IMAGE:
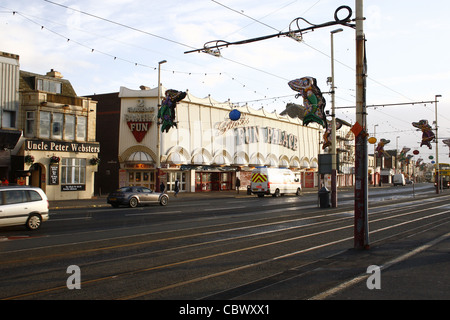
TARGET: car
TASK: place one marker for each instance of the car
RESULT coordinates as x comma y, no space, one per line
134,196
23,205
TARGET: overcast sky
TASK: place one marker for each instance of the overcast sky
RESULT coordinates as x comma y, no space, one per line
118,43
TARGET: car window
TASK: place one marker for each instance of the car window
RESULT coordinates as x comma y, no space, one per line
14,196
146,190
34,196
139,190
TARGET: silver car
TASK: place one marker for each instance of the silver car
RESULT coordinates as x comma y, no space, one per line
23,206
133,196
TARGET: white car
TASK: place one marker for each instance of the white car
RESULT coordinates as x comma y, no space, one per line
23,206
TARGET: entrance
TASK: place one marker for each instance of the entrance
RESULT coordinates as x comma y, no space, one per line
212,181
142,178
37,177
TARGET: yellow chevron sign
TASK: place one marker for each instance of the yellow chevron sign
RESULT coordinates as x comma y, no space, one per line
258,177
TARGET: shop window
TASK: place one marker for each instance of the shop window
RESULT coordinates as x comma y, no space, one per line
69,129
44,124
73,171
30,124
81,128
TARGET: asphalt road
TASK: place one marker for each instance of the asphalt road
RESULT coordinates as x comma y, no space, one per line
237,248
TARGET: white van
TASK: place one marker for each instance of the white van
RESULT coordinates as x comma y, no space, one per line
399,179
23,206
274,181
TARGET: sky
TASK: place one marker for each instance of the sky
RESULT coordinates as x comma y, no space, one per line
100,46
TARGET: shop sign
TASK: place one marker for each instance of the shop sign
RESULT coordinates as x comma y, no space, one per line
53,174
62,146
139,119
73,187
269,135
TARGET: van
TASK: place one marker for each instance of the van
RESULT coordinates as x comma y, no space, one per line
23,206
399,179
274,181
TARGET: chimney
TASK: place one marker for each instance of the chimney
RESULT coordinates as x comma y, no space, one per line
54,74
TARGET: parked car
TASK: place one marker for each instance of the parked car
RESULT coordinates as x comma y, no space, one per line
23,205
134,196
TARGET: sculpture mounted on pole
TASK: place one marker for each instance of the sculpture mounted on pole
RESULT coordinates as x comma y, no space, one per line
313,100
427,132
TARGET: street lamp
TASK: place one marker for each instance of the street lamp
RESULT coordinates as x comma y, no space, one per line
437,144
333,128
158,135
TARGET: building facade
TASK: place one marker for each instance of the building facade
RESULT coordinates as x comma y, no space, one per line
58,151
9,111
207,150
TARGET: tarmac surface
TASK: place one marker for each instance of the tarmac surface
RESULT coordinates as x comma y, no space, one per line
414,268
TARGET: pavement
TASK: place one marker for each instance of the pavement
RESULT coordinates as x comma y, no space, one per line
412,268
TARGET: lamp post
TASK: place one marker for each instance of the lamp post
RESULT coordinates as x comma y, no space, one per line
437,144
374,155
158,134
333,128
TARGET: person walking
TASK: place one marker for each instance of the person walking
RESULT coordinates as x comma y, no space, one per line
177,187
162,187
238,184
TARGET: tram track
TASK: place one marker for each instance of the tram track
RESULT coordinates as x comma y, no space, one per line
226,240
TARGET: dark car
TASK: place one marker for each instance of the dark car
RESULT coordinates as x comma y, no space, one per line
134,196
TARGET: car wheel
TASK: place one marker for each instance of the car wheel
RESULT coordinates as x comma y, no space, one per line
163,201
33,222
277,193
133,202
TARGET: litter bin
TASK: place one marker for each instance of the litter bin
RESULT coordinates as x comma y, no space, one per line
324,197
249,190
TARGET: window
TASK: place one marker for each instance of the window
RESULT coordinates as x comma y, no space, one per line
48,86
8,119
73,171
34,196
14,196
29,124
44,124
69,130
57,125
81,128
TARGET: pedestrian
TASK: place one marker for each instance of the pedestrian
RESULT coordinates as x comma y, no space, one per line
238,184
162,187
177,187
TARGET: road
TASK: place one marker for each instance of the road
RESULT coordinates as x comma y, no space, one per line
241,248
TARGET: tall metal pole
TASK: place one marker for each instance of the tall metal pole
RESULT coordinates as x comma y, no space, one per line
158,134
334,154
361,224
437,144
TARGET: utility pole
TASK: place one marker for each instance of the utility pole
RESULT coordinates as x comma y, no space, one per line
361,224
334,154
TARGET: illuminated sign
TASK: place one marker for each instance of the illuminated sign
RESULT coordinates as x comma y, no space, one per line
139,119
247,135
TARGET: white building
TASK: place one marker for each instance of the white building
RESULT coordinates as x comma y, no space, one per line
207,151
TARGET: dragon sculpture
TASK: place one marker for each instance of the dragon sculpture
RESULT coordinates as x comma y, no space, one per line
313,100
166,113
427,132
380,148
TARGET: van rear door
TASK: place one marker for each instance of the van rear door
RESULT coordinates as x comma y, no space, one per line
259,182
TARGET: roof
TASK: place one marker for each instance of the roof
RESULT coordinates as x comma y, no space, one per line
27,82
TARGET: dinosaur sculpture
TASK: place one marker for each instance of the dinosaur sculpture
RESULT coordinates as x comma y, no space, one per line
313,100
427,132
166,114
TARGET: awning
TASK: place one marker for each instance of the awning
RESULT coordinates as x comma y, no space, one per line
9,138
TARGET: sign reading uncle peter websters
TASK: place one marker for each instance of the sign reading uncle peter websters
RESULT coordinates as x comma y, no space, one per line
62,146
